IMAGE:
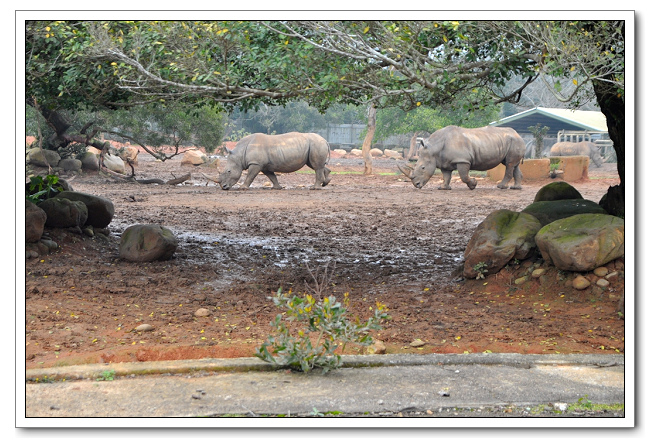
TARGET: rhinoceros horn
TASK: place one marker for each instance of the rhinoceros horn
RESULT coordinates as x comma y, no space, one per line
215,180
406,170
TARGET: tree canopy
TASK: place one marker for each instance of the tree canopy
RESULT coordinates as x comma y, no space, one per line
462,65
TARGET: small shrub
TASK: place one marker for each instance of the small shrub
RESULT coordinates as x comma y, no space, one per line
39,189
325,327
481,269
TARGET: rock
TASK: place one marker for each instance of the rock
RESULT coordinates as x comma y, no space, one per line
114,163
502,236
602,283
43,157
90,161
62,212
521,280
556,191
70,164
341,152
377,348
392,154
537,273
356,152
100,209
129,154
35,218
194,157
147,242
417,343
548,211
601,271
580,283
144,327
202,312
376,152
612,276
582,242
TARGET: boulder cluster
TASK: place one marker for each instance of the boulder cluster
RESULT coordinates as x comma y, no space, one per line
116,160
569,232
90,215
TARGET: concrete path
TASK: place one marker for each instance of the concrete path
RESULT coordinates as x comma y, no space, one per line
379,385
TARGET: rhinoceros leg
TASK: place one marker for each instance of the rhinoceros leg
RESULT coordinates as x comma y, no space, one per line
463,171
446,178
507,177
253,171
273,178
518,178
326,175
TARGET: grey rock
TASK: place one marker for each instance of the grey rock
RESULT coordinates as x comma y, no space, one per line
549,211
35,218
100,209
70,164
62,212
147,242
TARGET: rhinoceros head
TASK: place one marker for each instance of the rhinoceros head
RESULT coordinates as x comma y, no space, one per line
230,174
424,168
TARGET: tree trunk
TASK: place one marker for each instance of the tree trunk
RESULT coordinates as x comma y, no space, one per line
365,148
613,107
412,148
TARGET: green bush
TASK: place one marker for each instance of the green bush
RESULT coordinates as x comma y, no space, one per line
325,327
39,189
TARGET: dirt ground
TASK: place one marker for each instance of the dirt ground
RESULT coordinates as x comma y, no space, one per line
381,239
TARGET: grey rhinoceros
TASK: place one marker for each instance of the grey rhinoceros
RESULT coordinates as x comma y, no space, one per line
583,148
284,153
455,148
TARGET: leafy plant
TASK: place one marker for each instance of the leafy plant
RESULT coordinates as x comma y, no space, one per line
107,375
40,189
326,327
481,269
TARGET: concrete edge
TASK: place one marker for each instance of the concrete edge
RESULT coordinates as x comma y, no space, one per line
92,371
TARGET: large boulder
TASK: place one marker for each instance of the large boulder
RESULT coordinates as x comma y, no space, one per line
392,154
70,164
548,211
100,209
194,157
376,152
147,242
43,157
62,212
556,191
582,242
90,161
504,235
114,163
35,218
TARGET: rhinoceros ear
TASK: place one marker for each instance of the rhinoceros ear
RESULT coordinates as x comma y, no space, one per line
406,170
420,142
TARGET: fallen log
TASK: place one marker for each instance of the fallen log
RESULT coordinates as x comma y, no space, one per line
179,180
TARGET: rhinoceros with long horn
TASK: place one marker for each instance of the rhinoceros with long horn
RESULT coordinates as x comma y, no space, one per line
583,148
455,148
284,153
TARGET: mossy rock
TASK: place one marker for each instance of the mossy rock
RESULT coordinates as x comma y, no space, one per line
548,211
556,191
582,242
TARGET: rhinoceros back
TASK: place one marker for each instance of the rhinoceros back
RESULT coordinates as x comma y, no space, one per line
286,153
483,148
